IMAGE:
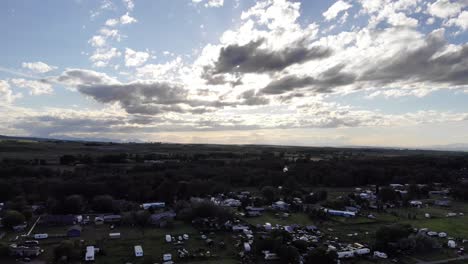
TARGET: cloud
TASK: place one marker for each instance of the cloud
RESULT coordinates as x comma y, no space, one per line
210,3
97,41
460,21
112,22
102,56
79,77
6,94
444,8
338,7
129,4
135,58
429,61
251,58
37,87
38,67
324,83
127,19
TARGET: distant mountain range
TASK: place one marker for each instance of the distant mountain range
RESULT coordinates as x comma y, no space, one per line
449,147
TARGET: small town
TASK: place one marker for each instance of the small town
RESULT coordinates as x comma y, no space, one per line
194,223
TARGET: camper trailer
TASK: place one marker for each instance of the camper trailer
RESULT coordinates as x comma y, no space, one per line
138,251
89,256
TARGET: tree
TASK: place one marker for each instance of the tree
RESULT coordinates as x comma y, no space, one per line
73,204
288,254
390,234
103,203
387,195
13,218
67,159
320,255
67,248
269,193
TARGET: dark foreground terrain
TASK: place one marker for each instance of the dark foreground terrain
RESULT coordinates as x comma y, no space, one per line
235,204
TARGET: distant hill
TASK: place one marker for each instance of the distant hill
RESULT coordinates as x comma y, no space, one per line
456,147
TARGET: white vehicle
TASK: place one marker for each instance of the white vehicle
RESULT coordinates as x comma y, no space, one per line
168,238
114,235
380,254
138,251
267,226
41,236
451,244
431,233
247,247
345,254
89,256
442,234
186,237
362,251
167,257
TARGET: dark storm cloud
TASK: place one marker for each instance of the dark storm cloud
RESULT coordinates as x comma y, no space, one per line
250,97
324,83
429,63
251,58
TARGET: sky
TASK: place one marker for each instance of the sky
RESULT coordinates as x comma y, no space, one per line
388,73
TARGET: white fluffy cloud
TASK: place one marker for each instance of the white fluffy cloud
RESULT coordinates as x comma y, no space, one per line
112,22
35,87
460,21
38,67
210,3
101,57
6,94
127,19
135,58
445,8
338,7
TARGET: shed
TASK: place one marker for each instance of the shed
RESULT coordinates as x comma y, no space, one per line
162,219
74,231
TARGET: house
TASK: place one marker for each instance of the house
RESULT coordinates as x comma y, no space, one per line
19,228
231,203
443,202
352,209
270,256
112,218
161,219
239,227
340,213
155,205
74,231
24,251
58,220
98,220
254,211
280,206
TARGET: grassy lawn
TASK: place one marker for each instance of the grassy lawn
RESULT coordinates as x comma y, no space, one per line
151,239
269,217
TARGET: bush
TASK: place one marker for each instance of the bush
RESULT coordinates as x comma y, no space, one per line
13,218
